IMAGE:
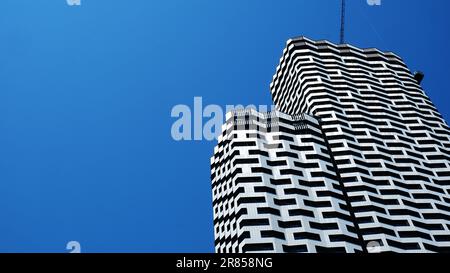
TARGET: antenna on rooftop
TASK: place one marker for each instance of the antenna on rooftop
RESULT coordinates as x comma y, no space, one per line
342,40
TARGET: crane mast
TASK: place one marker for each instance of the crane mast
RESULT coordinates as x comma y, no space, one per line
342,36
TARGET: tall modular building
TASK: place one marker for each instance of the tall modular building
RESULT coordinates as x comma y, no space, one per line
356,159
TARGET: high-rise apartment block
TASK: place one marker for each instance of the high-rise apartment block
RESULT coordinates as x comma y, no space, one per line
356,158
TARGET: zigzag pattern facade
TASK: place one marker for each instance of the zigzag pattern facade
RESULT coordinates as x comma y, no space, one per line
369,163
275,188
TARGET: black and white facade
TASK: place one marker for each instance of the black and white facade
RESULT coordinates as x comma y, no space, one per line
368,164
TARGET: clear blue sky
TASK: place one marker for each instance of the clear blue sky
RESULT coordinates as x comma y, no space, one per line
86,94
